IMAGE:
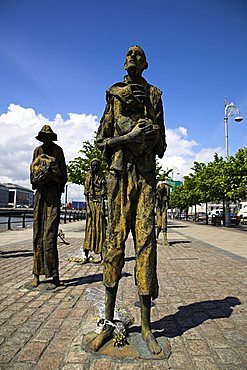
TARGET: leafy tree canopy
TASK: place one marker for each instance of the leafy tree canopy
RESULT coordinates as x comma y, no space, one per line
79,166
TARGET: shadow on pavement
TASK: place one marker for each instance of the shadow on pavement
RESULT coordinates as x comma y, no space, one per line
89,279
176,226
17,253
128,259
191,316
83,280
179,242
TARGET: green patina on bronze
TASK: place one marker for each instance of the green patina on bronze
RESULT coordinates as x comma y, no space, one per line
95,192
162,205
130,135
48,176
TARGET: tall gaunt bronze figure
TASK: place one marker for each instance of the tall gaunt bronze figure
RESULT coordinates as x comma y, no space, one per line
95,192
162,205
48,176
130,135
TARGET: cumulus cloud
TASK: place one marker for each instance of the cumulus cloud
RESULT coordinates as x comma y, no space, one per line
20,125
182,152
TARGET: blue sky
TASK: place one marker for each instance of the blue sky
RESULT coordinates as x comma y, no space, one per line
59,57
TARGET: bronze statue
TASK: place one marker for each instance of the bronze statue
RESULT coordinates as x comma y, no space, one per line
48,176
162,205
130,135
95,192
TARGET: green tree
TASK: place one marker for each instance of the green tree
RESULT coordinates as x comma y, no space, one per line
219,180
179,199
161,174
79,166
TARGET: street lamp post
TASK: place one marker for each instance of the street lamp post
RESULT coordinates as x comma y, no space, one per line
230,109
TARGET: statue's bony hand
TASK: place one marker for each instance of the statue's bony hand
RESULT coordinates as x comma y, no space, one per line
138,133
144,131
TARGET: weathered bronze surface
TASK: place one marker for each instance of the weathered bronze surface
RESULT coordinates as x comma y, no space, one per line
95,192
130,135
48,176
136,348
162,205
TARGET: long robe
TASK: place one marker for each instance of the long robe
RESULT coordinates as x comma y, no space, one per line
95,190
48,179
162,204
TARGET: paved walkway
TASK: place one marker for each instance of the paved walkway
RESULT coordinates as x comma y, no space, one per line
202,306
228,239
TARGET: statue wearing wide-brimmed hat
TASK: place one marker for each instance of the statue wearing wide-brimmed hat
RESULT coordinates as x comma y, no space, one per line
48,176
46,131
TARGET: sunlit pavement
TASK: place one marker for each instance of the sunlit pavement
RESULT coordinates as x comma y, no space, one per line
201,309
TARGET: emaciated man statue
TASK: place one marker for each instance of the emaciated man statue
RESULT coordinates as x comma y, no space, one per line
95,192
130,135
48,177
162,205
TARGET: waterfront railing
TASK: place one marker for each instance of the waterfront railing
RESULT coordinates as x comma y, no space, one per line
13,218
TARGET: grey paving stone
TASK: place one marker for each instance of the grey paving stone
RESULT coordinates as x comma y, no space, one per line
202,308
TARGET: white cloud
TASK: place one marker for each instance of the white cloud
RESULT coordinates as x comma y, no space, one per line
181,152
20,125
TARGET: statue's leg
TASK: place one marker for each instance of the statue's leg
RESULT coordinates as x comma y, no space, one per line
147,334
56,280
165,237
106,335
35,281
158,232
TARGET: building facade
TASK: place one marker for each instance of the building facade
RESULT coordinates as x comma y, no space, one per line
19,196
4,196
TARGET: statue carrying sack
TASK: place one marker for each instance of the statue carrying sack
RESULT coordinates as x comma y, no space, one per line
42,168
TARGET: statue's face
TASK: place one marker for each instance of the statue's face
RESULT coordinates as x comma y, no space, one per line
95,166
46,139
135,60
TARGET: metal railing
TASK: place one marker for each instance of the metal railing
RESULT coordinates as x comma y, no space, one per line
24,217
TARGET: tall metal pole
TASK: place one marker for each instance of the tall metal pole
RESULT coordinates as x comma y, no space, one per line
226,135
226,125
230,109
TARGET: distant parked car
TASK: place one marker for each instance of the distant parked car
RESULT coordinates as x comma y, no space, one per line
200,216
234,219
181,216
215,216
242,213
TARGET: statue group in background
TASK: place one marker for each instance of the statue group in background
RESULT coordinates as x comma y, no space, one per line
162,205
48,176
95,192
130,135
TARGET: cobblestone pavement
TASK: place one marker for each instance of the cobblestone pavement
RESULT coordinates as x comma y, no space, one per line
201,309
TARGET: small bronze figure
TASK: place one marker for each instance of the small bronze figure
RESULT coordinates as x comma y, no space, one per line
130,135
95,192
48,176
162,205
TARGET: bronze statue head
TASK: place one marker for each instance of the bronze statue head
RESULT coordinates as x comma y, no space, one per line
95,165
135,60
46,134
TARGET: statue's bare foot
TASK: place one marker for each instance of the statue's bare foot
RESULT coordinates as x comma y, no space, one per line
101,339
35,281
153,345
